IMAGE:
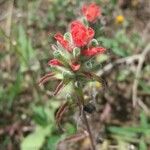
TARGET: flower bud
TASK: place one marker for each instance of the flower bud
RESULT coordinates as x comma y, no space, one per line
75,66
62,42
57,54
89,64
77,84
67,74
80,83
54,62
68,37
76,52
85,22
94,42
91,12
68,96
54,47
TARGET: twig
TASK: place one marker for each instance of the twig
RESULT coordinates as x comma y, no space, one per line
9,19
143,106
141,58
128,60
3,17
145,33
137,74
110,66
135,99
8,28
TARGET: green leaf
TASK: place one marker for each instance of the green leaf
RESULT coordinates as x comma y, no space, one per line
145,87
53,141
122,75
119,51
114,2
70,129
94,42
126,138
129,131
142,145
105,42
121,131
122,38
35,140
120,44
22,40
27,55
40,116
14,89
68,37
144,120
102,58
85,22
114,45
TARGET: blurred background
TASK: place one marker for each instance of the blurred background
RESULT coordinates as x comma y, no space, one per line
27,111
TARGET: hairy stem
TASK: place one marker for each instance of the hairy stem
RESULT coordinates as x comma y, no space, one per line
81,106
89,130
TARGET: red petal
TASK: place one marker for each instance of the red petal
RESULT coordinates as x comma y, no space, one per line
100,49
58,36
76,23
84,9
81,35
54,62
91,33
75,66
93,51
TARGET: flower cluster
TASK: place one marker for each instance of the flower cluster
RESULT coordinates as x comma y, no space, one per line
91,12
75,50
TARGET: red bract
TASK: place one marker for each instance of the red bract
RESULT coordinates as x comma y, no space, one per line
81,34
54,62
65,44
46,78
93,51
75,66
91,12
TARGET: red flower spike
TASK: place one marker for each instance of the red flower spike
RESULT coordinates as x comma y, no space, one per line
91,12
54,62
75,66
81,35
93,51
59,37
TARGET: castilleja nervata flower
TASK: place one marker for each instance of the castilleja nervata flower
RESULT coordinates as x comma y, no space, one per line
74,61
74,52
